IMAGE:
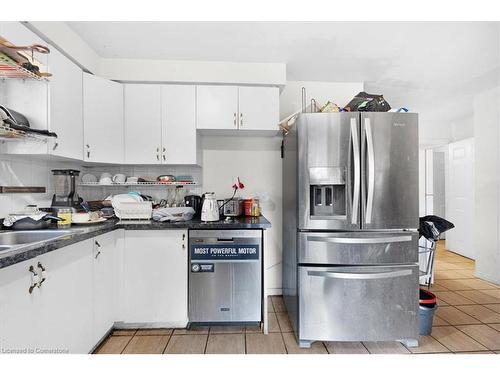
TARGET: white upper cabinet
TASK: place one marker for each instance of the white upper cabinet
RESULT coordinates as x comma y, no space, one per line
65,106
217,107
258,108
143,124
102,120
179,139
237,108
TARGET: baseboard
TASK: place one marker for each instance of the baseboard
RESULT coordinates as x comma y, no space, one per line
274,291
123,325
488,278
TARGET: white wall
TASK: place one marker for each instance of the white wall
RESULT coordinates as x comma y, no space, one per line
487,184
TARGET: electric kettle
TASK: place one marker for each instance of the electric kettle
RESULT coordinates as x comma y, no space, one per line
210,208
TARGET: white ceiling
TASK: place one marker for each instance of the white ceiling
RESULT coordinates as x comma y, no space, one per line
415,63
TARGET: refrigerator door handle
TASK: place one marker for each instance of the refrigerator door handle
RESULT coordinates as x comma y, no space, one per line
357,172
360,275
353,240
370,169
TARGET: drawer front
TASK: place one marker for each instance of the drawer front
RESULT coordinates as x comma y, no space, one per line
358,303
358,248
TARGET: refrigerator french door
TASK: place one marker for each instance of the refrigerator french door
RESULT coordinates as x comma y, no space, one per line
358,171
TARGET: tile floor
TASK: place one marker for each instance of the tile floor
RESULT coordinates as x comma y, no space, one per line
467,321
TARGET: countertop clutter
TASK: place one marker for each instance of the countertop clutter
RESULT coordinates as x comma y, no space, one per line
78,234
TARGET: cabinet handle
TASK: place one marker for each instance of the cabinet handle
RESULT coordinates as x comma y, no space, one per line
97,243
157,157
164,149
43,278
183,241
241,120
88,151
97,254
234,119
164,157
55,146
34,279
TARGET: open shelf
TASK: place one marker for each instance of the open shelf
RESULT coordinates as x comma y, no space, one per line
144,184
7,134
9,69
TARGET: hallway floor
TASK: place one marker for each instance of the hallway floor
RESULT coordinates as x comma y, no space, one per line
467,321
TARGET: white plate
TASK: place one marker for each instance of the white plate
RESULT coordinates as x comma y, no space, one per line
90,222
89,178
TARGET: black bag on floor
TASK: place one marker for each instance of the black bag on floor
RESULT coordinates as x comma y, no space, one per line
364,102
432,226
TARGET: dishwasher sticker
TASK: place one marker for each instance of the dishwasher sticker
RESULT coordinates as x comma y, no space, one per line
232,252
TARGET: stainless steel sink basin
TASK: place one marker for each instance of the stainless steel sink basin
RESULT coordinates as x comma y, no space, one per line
13,240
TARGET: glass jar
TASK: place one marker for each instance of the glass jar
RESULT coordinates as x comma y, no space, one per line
255,207
65,215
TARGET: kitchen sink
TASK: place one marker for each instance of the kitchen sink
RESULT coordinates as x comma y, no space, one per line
11,240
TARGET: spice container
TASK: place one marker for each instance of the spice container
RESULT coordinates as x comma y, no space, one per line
255,207
247,206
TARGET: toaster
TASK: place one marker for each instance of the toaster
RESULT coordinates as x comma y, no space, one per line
233,207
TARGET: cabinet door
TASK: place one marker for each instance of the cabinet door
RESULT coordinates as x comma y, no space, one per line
103,284
154,282
258,108
18,310
102,120
179,124
65,300
217,107
142,116
65,106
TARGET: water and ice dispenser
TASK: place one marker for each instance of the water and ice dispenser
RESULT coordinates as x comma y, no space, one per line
327,192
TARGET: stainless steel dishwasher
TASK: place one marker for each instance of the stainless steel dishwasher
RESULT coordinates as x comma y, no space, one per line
225,278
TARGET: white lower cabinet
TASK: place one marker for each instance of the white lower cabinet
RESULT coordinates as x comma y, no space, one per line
103,283
132,277
65,299
154,283
18,307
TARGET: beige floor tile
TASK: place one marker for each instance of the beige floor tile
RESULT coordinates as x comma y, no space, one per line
259,343
437,288
226,344
495,326
467,273
146,345
479,352
455,340
292,347
454,316
187,344
428,344
493,292
479,296
347,347
270,307
284,322
227,329
385,347
494,307
124,332
481,313
455,285
452,298
272,321
153,332
192,331
479,284
258,328
483,334
437,321
113,345
279,305
448,275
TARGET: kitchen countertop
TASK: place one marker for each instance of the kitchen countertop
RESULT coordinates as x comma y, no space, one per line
81,233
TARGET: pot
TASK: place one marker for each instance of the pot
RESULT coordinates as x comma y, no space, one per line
27,223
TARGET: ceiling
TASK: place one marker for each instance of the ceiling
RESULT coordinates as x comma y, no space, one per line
417,62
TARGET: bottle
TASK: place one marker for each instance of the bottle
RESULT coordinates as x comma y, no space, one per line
65,215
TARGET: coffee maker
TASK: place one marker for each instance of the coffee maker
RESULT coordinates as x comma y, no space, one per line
65,188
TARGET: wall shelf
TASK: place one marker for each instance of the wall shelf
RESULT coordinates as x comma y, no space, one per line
9,69
143,184
7,134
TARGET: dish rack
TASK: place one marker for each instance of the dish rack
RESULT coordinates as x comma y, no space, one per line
133,210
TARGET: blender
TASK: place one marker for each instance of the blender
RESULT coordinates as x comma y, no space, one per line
65,189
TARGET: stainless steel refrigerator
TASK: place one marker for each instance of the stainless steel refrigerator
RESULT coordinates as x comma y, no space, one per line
350,214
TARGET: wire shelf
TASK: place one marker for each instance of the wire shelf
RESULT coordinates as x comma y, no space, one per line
12,135
9,69
145,184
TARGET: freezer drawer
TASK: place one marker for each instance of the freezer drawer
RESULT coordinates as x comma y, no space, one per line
358,303
358,248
